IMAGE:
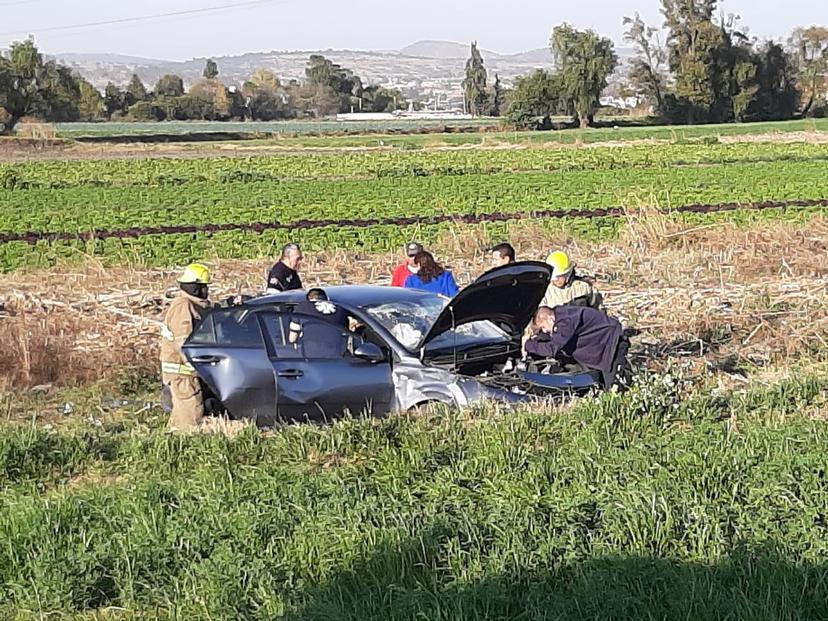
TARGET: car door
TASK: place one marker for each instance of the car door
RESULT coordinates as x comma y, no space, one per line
317,377
229,354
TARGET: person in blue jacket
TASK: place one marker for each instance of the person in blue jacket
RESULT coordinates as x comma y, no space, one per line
429,275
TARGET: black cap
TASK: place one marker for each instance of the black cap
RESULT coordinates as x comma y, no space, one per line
413,248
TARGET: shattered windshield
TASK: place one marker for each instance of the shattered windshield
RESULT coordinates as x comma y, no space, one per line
410,321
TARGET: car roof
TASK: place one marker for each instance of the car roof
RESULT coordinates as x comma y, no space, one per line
349,295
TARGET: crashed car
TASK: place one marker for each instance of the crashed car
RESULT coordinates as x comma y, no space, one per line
410,348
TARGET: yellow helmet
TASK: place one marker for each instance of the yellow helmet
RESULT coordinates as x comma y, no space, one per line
561,265
195,273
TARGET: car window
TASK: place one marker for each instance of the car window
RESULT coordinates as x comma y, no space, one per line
316,339
204,333
231,328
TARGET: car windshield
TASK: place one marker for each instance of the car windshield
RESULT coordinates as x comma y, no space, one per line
410,321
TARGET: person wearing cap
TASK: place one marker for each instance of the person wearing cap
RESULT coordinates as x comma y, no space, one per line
502,254
404,270
283,276
566,287
185,312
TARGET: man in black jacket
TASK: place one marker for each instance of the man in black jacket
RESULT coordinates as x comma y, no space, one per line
588,336
283,275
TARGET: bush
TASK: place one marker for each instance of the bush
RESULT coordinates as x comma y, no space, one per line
145,111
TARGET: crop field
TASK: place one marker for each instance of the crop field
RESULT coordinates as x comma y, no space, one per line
170,211
182,128
700,493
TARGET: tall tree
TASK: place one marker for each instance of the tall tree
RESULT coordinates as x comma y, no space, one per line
60,94
113,100
648,68
693,42
169,86
810,49
583,63
210,70
777,96
327,81
90,104
135,91
265,99
23,77
474,84
496,103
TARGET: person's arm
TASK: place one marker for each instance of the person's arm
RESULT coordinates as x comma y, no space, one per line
451,285
294,331
554,343
399,275
544,348
179,322
273,281
410,282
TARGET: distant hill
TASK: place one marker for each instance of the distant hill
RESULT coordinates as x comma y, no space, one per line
419,70
441,49
110,59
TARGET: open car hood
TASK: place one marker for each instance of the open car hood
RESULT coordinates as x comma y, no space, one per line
508,296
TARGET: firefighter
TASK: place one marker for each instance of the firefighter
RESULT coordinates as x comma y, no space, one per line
567,287
184,313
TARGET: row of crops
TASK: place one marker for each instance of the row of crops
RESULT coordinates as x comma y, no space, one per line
366,164
183,128
133,211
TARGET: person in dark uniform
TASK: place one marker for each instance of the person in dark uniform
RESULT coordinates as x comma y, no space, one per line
317,304
283,276
591,338
320,343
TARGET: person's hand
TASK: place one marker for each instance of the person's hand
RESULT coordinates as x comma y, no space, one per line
526,336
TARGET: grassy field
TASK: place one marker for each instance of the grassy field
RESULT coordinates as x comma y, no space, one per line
662,503
699,494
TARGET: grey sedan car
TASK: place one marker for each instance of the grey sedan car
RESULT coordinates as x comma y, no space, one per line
410,348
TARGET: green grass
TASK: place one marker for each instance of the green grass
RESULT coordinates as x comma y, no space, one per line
80,197
312,134
660,504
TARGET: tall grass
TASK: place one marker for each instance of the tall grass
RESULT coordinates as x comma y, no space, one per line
661,503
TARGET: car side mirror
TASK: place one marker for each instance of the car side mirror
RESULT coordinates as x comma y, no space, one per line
369,352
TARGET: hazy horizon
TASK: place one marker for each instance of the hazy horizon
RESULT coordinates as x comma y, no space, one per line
265,25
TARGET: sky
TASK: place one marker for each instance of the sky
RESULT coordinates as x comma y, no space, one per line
263,25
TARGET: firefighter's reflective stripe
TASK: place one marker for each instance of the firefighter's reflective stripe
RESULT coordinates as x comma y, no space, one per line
177,369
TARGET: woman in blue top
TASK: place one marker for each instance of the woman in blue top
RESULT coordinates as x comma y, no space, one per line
429,275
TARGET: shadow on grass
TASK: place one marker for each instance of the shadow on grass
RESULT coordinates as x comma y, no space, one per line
416,581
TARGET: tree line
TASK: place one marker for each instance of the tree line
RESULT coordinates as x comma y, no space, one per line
700,67
47,90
